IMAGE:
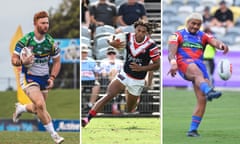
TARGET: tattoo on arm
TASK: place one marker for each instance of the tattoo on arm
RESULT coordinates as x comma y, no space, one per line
172,50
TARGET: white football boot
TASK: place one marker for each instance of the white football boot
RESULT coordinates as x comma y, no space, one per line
57,139
18,112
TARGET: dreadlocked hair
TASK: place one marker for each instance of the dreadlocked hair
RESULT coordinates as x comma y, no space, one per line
150,26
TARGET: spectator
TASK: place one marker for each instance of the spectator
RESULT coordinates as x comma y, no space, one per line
102,13
85,13
130,12
223,17
207,16
89,77
109,68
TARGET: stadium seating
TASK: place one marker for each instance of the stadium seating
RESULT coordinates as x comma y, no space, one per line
85,32
174,17
193,3
105,30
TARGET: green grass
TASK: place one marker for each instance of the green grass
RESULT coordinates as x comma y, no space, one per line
36,138
122,131
220,124
61,104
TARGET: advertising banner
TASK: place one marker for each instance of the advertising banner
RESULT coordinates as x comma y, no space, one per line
70,50
232,56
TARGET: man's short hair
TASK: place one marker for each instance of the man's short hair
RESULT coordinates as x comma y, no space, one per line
196,16
38,15
145,24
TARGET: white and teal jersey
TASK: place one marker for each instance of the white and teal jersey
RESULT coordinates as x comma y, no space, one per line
43,50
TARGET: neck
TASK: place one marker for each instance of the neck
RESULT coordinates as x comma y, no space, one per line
38,36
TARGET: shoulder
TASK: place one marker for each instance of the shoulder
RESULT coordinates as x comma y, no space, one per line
49,38
110,4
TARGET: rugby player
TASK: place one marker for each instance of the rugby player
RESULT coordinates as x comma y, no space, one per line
140,50
36,80
185,54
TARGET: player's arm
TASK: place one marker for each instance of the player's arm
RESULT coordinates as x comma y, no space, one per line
56,67
155,65
16,61
54,72
219,45
172,50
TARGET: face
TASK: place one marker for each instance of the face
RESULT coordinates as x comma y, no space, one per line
193,25
84,55
111,56
141,32
42,25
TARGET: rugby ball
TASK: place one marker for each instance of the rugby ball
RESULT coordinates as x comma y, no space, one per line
27,52
224,69
120,37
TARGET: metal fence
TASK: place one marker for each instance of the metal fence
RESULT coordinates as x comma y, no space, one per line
149,101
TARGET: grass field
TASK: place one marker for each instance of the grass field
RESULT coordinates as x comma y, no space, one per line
220,124
61,104
122,131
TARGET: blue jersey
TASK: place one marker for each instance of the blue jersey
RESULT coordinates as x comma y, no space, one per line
88,69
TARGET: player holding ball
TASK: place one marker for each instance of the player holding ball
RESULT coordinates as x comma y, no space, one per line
142,55
185,54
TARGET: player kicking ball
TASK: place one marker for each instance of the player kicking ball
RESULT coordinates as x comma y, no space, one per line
140,50
34,78
185,54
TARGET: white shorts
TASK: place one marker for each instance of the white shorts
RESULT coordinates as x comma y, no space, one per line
134,86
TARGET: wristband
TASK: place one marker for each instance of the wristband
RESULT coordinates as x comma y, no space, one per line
173,61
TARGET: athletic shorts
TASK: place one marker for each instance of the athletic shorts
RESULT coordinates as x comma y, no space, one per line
30,80
182,67
134,86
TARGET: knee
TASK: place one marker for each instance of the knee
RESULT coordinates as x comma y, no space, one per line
40,106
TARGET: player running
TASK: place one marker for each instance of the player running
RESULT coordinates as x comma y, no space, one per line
185,54
35,80
140,50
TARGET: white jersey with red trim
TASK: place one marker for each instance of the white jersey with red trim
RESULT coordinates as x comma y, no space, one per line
140,53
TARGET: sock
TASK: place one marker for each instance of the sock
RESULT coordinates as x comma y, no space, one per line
196,120
21,108
91,114
49,127
204,87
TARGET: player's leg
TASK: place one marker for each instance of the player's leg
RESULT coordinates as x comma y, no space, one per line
197,73
94,95
114,88
198,112
49,126
132,102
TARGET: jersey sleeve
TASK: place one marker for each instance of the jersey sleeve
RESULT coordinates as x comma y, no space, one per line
206,38
154,53
55,51
21,44
175,38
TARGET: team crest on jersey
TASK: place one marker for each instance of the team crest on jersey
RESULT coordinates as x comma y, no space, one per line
173,37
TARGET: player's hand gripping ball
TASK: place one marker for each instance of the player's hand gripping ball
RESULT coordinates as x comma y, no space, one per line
26,57
224,69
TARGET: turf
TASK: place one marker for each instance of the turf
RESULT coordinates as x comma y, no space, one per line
61,104
122,131
220,124
36,138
